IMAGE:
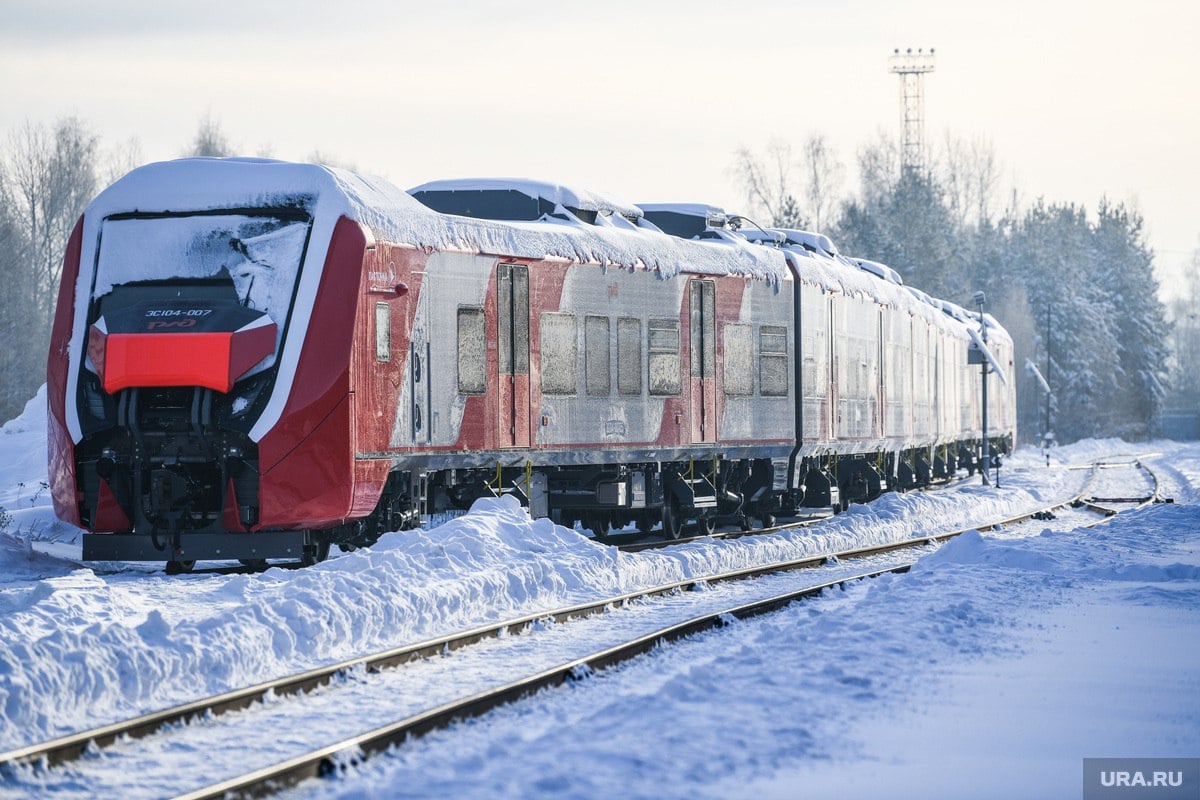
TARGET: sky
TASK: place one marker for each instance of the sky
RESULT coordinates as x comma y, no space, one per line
646,101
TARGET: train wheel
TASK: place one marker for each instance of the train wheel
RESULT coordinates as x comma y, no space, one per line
672,522
706,525
315,553
646,521
744,522
180,567
598,525
256,564
768,520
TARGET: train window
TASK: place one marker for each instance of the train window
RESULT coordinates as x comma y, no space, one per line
772,361
472,351
512,318
597,365
664,356
738,371
560,354
810,378
704,329
383,332
629,356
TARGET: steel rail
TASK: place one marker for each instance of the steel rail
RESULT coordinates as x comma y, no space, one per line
72,746
1101,505
326,760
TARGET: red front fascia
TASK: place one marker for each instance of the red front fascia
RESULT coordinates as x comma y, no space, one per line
307,458
59,446
214,360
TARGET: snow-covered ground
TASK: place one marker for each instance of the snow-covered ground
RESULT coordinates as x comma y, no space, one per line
990,670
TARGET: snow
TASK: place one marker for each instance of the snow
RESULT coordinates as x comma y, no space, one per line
201,183
567,196
990,670
261,255
817,261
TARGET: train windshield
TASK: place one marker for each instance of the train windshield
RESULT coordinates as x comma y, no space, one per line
255,256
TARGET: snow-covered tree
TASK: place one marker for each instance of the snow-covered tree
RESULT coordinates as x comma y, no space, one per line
786,190
210,140
905,223
768,183
47,175
1124,270
970,171
1184,388
822,181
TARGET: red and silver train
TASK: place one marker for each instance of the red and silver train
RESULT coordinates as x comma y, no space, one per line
254,359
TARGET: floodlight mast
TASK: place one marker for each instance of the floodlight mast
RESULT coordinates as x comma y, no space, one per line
911,67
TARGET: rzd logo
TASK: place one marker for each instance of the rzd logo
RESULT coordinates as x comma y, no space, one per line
171,323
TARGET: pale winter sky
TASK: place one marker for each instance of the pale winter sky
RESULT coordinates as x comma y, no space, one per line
647,101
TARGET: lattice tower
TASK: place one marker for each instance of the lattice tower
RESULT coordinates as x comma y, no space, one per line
911,67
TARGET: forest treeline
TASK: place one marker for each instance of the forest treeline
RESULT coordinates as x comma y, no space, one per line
1076,288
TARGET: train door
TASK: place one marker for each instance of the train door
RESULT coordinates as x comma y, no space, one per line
704,361
816,382
512,338
835,367
420,385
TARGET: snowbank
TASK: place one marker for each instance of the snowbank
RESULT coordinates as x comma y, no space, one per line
84,644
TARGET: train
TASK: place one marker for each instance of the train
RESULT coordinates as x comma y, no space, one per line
254,359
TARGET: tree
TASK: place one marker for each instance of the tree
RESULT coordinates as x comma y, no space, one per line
1184,388
1053,258
970,173
769,184
14,312
823,177
330,160
902,220
47,176
50,176
210,141
121,159
1124,269
786,191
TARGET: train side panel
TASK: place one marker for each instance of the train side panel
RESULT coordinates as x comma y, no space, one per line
817,355
898,377
857,366
60,447
307,458
756,362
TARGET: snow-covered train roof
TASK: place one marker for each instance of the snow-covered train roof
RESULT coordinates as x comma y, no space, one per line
686,220
203,184
818,261
814,242
879,270
815,256
626,236
501,199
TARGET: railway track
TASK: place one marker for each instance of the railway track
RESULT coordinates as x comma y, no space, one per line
29,762
1109,501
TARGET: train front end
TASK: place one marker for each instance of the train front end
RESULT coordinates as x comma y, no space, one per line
169,376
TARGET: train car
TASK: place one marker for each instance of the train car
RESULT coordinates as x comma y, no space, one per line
253,359
889,401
